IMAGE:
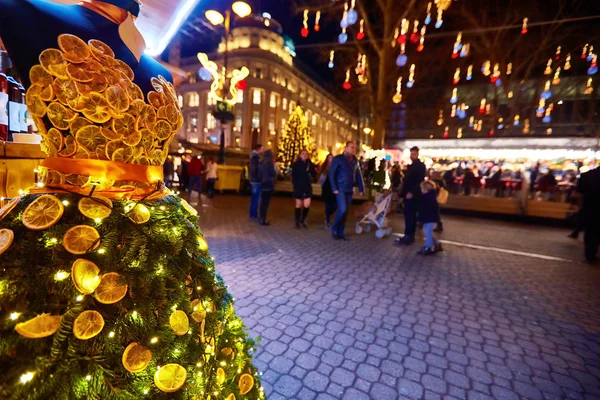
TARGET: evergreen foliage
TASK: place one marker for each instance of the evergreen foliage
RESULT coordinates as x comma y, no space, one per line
295,138
166,266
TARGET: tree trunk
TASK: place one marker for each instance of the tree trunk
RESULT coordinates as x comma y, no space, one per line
379,132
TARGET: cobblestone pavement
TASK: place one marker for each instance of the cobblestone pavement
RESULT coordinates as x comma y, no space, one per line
367,320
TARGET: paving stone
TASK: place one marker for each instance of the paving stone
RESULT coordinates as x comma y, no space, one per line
368,372
288,386
316,381
409,389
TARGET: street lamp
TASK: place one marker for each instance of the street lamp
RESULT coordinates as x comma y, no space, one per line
242,10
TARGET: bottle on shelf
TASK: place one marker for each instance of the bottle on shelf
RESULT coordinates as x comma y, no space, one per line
14,108
23,110
3,96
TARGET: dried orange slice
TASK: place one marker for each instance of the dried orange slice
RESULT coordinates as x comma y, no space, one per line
202,244
188,207
95,207
228,352
125,69
140,214
231,397
39,122
162,129
54,63
49,149
124,126
136,357
35,104
95,108
133,139
77,104
157,85
147,116
41,326
136,107
111,289
198,311
123,155
156,99
245,383
220,376
90,137
75,50
112,77
88,324
70,147
80,239
97,84
93,65
77,124
65,90
179,322
4,211
39,76
6,238
134,92
48,93
60,116
79,73
100,49
113,146
44,212
55,178
170,378
55,137
168,112
117,98
85,275
77,180
81,154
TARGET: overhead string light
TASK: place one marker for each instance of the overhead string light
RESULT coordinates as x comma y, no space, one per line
465,50
343,37
470,72
548,69
590,54
593,69
440,120
457,45
411,77
361,33
362,78
547,117
547,93
588,87
396,36
496,74
397,99
439,21
414,36
331,59
402,58
454,97
584,51
403,30
459,133
524,29
568,62
428,17
461,112
304,30
352,14
421,45
347,85
446,134
541,108
453,111
556,79
517,120
344,22
509,69
482,106
558,51
471,121
485,68
456,76
318,21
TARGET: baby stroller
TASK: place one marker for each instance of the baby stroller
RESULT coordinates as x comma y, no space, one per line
377,215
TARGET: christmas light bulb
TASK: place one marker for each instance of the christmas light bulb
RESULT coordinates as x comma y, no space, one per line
317,21
26,377
548,69
456,76
61,275
558,51
588,88
509,69
428,18
556,79
459,134
470,72
440,21
453,111
111,334
485,69
446,134
454,97
65,203
525,25
331,58
584,52
14,316
568,62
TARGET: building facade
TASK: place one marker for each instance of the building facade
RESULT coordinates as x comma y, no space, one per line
274,88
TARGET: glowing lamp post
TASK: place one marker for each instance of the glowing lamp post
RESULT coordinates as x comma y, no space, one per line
223,110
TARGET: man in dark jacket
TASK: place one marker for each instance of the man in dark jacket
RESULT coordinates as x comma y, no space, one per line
344,175
254,178
589,187
268,177
411,191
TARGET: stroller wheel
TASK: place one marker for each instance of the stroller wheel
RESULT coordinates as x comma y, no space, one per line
388,231
359,229
367,228
380,233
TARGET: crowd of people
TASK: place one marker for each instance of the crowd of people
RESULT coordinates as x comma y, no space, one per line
192,174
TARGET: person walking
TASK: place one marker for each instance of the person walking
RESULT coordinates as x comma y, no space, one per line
411,192
196,168
255,185
327,193
302,176
169,171
268,177
344,175
211,177
429,211
184,174
589,188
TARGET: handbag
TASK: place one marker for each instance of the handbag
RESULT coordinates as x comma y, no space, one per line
442,197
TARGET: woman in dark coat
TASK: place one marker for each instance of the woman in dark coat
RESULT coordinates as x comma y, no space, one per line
302,176
327,193
267,176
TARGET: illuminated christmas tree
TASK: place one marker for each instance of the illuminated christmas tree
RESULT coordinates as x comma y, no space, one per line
295,138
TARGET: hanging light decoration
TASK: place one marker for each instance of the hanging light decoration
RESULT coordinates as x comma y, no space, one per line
517,121
470,72
547,117
403,30
344,21
428,17
593,69
482,105
509,69
590,54
465,50
526,126
343,37
557,55
440,120
491,133
446,135
461,111
488,109
331,59
361,33
358,68
479,125
568,62
457,45
347,85
485,69
548,69
397,99
362,78
414,36
556,79
454,97
304,30
352,14
459,133
439,21
500,123
496,73
525,26
421,45
411,77
396,35
471,121
453,111
584,51
456,76
402,59
588,87
317,21
510,94
541,108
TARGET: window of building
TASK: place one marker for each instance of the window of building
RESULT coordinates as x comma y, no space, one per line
283,121
274,100
211,122
272,125
318,102
256,96
255,120
192,99
210,100
258,73
302,92
310,97
240,96
193,123
315,118
180,101
238,119
192,78
276,77
308,115
284,104
292,106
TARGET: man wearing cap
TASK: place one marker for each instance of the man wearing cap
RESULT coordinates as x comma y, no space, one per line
410,193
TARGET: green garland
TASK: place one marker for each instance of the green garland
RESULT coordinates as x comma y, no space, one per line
165,265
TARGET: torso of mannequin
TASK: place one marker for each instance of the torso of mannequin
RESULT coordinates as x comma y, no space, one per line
28,27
